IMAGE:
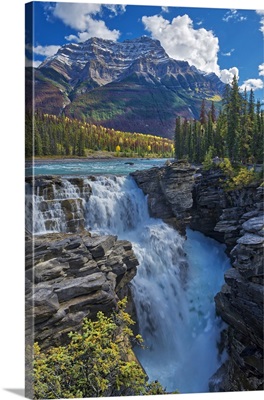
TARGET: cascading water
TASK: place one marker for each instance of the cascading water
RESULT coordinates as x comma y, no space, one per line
173,292
174,287
47,211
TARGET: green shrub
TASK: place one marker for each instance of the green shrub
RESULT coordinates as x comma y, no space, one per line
208,162
98,362
226,167
242,178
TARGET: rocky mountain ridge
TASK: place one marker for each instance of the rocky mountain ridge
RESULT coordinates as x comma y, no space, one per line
132,85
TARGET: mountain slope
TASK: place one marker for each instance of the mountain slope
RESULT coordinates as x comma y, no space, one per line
133,85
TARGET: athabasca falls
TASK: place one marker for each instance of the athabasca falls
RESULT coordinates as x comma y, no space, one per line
174,288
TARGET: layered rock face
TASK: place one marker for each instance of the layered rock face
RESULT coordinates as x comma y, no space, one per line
220,213
73,276
234,217
240,304
169,191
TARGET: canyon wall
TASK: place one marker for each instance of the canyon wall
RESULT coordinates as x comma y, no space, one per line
183,196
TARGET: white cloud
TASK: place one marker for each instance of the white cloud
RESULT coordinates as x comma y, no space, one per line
261,69
226,54
181,41
229,53
94,29
31,63
261,12
75,15
253,84
227,75
116,8
46,50
165,9
229,15
234,15
80,16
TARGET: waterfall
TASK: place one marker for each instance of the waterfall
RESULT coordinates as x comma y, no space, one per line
57,208
173,290
175,283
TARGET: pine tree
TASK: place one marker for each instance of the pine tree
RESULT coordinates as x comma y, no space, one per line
28,135
213,113
202,117
220,135
233,121
178,139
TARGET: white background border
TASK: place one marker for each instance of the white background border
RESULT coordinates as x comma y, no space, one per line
12,191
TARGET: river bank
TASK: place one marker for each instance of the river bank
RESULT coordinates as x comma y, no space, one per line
88,166
96,156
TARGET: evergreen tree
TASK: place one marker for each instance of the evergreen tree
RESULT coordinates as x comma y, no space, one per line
213,113
178,139
28,135
233,121
236,134
202,117
37,144
220,135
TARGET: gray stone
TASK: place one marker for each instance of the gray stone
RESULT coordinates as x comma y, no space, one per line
49,270
45,303
251,239
79,286
254,225
98,246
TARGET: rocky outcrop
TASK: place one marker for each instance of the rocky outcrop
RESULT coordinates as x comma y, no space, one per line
169,190
240,304
220,213
73,276
209,200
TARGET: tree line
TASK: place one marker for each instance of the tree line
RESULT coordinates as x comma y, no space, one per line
50,135
237,132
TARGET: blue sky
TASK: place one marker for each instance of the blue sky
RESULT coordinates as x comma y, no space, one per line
224,41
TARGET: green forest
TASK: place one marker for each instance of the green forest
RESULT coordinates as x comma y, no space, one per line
237,133
63,136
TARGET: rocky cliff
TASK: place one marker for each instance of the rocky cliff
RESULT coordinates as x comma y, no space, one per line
240,304
183,197
169,191
73,276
